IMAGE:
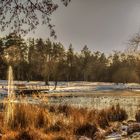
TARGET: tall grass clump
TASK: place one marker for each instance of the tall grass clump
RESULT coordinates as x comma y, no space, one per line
65,109
116,113
26,116
102,119
42,118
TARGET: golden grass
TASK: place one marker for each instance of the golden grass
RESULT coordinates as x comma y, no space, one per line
34,122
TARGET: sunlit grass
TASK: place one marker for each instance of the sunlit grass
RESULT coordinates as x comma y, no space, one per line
59,122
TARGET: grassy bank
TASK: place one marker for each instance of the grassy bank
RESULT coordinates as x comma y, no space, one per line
32,122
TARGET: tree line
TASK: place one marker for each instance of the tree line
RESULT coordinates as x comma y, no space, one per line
38,59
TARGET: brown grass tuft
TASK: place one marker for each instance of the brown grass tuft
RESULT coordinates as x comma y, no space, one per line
87,130
41,119
115,113
26,116
102,119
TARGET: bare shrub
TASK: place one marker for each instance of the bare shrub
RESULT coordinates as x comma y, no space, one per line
115,113
86,130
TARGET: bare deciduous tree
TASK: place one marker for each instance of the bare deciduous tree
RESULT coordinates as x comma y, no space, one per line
23,16
134,43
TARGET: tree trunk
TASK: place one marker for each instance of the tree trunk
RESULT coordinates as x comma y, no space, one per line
55,86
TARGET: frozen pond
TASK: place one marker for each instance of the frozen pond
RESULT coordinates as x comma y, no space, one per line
129,102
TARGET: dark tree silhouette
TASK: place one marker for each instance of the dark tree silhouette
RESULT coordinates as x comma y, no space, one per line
23,16
134,43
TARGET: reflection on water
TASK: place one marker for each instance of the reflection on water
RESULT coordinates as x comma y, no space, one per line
9,116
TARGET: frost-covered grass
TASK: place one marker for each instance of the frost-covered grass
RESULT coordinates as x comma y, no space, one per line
130,101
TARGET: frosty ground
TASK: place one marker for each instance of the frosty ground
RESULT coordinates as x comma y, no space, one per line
89,95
